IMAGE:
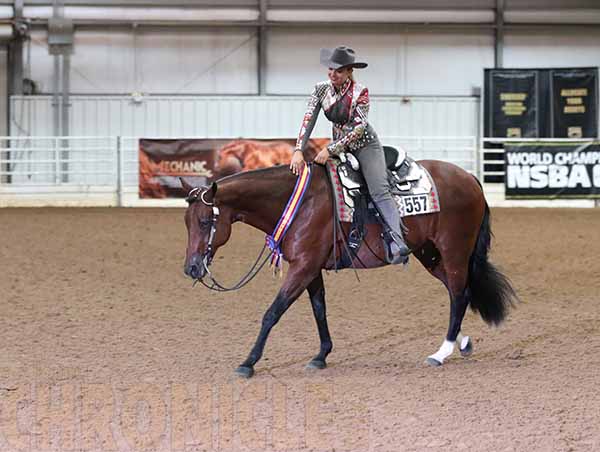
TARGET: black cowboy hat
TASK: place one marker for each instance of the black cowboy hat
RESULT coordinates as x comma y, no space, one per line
341,56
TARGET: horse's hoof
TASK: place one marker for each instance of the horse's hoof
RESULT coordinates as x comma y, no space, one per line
244,372
468,350
316,364
432,362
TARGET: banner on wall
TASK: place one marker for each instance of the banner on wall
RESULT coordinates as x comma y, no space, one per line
548,170
534,103
202,161
575,103
514,104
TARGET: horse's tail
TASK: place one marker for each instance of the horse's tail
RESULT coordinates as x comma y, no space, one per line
489,291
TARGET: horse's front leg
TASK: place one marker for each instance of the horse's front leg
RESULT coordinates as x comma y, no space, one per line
296,281
316,291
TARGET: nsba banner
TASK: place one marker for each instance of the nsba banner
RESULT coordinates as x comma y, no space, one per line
552,170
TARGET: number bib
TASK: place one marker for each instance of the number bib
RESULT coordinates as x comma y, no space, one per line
418,204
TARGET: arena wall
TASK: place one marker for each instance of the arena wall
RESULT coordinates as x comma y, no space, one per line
152,79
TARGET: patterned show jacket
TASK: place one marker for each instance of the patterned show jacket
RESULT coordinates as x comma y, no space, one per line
347,108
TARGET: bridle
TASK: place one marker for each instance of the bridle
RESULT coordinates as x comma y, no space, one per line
194,195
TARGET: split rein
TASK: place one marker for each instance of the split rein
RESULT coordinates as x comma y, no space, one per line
207,256
273,241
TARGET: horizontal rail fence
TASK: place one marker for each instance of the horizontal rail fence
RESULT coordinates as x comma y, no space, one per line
462,151
492,167
51,166
58,161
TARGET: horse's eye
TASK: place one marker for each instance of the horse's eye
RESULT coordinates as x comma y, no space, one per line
204,223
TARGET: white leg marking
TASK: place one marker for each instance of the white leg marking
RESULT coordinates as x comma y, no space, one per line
445,350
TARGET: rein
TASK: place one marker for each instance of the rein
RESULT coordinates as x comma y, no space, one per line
207,256
273,241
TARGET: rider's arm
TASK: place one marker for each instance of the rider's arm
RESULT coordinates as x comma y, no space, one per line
310,117
359,123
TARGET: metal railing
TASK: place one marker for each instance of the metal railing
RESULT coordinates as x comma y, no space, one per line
80,166
56,161
461,151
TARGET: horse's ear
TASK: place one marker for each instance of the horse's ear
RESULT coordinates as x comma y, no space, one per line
187,187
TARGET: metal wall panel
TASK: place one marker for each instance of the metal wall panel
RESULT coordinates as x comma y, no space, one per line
552,48
247,116
154,60
550,4
173,3
385,4
409,63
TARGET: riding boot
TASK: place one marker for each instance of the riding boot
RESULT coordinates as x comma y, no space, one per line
398,251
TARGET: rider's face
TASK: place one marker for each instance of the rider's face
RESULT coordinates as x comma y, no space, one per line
339,76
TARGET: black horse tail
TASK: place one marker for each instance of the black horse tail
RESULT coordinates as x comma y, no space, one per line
489,291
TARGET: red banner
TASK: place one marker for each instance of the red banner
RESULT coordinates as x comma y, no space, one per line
202,161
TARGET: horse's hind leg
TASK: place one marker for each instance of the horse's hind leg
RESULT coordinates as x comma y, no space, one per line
453,272
316,291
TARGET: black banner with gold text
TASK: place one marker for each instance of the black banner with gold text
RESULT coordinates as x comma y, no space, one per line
514,104
575,103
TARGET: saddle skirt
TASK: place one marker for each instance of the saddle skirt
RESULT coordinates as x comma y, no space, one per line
411,185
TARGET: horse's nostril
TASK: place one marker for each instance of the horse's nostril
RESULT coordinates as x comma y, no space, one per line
190,270
194,271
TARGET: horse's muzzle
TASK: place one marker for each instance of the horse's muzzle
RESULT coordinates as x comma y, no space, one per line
194,267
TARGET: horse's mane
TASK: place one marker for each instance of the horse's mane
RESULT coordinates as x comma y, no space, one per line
272,182
277,171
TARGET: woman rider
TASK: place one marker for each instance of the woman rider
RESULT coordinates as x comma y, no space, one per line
346,104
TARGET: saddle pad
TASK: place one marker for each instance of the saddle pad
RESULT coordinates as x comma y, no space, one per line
419,198
344,211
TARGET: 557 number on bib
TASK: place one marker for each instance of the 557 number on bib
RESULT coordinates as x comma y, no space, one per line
414,205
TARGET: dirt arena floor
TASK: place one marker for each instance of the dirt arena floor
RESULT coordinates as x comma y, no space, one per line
107,346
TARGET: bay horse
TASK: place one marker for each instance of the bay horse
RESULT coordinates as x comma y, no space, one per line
452,245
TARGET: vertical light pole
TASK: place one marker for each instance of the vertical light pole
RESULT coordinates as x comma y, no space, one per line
60,45
262,48
499,35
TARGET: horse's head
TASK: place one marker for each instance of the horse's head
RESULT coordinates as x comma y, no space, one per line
209,227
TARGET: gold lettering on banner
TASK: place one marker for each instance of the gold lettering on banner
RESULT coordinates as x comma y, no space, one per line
574,101
574,92
513,108
574,132
513,96
513,132
570,109
513,103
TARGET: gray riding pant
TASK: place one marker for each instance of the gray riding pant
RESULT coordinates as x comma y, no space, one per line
372,165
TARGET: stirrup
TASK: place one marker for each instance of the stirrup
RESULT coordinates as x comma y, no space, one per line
391,258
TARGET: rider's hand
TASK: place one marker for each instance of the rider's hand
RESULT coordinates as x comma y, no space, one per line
297,162
322,156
